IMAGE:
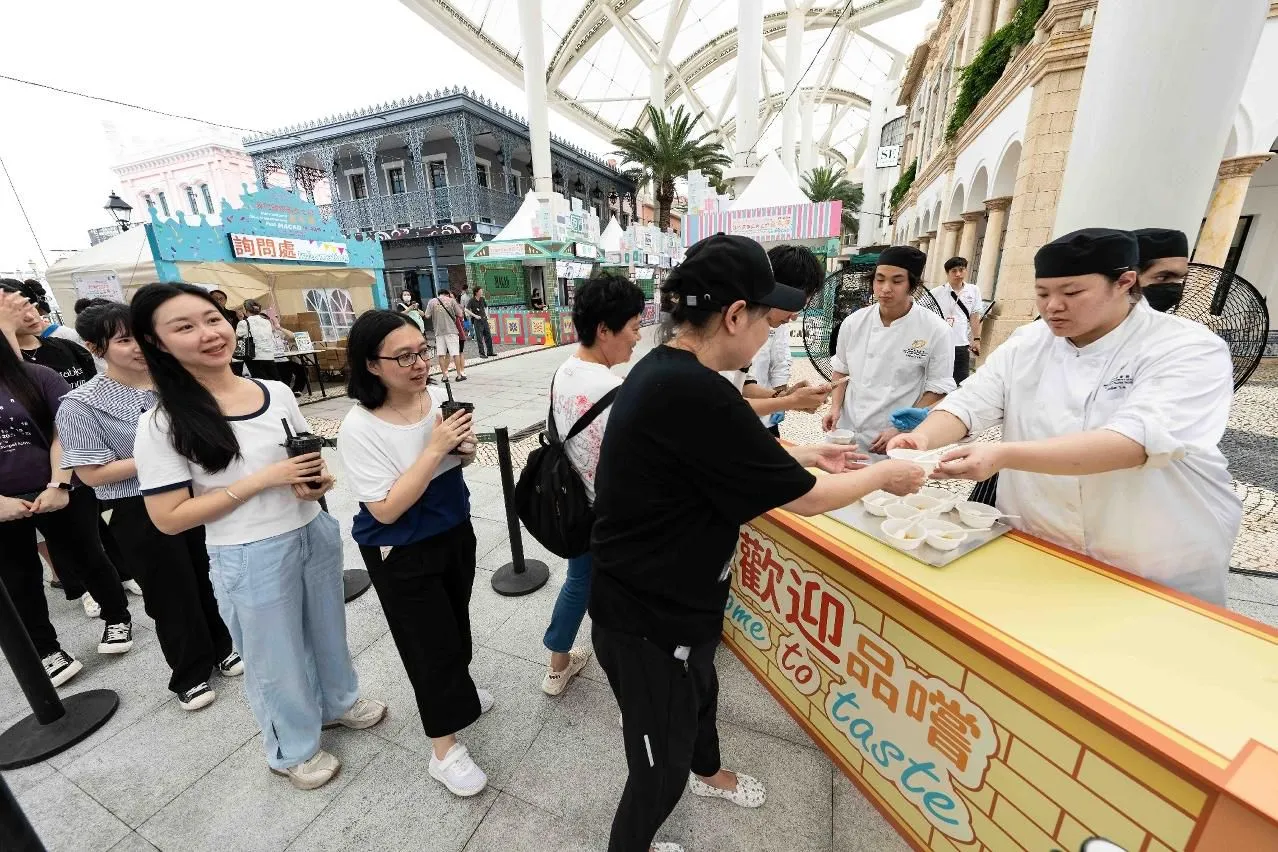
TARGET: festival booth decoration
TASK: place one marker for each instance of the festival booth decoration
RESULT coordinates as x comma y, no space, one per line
645,254
276,248
543,251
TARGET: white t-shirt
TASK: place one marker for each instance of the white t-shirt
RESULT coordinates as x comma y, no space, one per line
261,437
578,385
970,296
263,336
376,453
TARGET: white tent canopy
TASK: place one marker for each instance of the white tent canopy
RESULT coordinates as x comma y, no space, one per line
771,186
128,255
520,226
610,239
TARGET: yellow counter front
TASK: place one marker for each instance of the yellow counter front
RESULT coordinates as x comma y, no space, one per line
1023,698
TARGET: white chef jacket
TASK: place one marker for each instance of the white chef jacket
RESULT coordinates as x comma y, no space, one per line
771,366
960,325
890,366
1161,380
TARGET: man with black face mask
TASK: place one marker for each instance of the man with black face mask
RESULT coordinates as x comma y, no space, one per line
1164,265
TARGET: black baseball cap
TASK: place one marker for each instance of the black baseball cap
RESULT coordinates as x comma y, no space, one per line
725,268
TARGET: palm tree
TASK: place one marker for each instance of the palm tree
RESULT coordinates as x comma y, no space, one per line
827,184
669,151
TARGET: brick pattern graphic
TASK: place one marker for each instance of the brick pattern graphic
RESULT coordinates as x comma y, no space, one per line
1049,779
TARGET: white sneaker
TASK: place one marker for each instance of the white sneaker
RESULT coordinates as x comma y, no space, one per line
458,772
364,713
749,793
486,700
132,587
91,608
321,768
554,683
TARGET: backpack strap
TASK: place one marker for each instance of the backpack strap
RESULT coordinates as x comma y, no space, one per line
595,410
962,307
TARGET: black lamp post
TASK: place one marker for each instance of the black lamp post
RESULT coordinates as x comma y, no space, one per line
119,209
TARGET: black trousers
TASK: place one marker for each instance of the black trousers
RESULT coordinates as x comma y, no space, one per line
292,374
263,369
962,363
72,585
173,571
425,593
668,712
483,335
72,537
775,430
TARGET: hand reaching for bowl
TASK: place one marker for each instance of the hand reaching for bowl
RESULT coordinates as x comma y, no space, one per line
831,458
899,477
976,462
907,441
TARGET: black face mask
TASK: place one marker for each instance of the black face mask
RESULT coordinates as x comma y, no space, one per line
1164,297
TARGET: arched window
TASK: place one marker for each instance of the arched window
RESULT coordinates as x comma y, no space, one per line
147,200
208,197
164,205
335,309
192,201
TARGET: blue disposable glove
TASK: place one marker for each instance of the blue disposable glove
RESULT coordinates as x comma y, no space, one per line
908,419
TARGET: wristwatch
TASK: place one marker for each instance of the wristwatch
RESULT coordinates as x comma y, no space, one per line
61,486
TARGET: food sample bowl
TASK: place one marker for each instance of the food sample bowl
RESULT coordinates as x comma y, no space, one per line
894,529
944,535
926,504
948,499
876,502
901,511
840,436
978,516
928,464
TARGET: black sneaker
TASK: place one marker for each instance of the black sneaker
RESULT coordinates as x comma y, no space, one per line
55,583
232,666
116,639
61,667
197,697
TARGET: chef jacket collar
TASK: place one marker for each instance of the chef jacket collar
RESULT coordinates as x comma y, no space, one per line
878,315
1116,338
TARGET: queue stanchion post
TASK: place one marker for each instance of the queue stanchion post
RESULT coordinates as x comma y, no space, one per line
16,833
54,724
520,576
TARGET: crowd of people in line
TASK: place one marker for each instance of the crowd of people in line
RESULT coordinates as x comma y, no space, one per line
1111,413
447,321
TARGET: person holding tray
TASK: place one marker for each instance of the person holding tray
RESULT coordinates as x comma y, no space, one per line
1112,414
897,354
684,463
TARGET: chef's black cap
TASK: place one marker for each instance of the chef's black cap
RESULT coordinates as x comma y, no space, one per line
725,268
907,257
1157,243
1091,250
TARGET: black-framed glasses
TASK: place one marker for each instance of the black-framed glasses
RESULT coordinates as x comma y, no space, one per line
408,359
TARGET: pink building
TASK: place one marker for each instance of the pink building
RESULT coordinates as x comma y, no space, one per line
192,175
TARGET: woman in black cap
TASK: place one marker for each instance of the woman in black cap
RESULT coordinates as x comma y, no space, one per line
1164,266
898,354
1111,416
684,463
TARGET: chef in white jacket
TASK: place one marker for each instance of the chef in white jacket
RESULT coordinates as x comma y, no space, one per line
897,353
1111,414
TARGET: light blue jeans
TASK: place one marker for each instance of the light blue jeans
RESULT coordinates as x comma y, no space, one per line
282,600
570,606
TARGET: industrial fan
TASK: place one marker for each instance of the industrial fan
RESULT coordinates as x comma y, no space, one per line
1230,306
845,292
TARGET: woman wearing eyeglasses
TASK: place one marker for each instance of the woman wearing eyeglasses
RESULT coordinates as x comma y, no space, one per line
404,462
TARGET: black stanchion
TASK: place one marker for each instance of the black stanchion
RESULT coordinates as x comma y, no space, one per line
16,833
54,725
519,576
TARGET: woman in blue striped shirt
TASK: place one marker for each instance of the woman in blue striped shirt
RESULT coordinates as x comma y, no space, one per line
98,422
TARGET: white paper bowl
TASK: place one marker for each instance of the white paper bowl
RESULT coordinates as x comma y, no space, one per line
900,511
840,436
948,498
978,516
926,504
877,502
928,465
943,535
892,528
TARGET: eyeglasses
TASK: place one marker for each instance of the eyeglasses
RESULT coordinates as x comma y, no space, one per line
408,359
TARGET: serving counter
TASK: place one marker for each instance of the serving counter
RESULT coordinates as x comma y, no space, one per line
1021,698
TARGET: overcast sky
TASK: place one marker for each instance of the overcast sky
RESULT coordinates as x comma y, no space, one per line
210,60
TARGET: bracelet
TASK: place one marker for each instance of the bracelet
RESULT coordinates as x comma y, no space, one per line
238,499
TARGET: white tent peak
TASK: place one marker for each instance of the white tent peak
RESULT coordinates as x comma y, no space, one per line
772,186
520,226
610,239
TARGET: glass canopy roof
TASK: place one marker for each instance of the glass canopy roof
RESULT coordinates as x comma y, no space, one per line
601,56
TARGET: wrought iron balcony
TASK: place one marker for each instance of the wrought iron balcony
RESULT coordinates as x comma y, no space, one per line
418,208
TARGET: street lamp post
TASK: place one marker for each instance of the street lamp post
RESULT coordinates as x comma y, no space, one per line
119,209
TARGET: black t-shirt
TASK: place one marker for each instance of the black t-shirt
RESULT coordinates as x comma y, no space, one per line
69,360
684,463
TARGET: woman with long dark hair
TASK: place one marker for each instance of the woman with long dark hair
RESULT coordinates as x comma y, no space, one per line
398,450
98,422
210,453
37,494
